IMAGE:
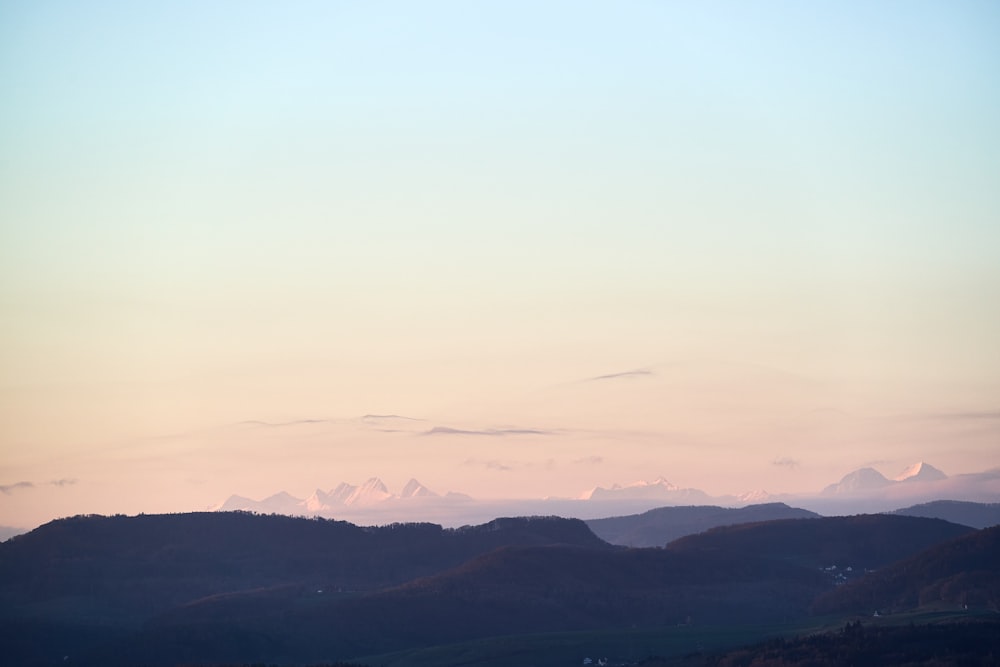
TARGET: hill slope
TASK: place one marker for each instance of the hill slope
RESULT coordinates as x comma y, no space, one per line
239,588
660,526
964,571
204,553
976,515
970,644
511,591
748,574
866,541
74,583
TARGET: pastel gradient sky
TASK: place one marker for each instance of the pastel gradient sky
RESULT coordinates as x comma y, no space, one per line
741,245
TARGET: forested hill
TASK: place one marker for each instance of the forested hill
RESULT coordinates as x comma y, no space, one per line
510,591
865,541
154,561
224,588
961,573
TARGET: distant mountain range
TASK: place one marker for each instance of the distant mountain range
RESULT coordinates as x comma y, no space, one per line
659,489
862,490
343,496
868,490
866,480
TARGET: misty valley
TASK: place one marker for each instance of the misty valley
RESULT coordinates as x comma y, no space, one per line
765,584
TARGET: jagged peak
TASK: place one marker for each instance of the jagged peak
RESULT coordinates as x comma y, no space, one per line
756,496
414,489
374,483
373,490
920,471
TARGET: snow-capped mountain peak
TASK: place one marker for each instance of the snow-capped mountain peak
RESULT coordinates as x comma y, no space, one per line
920,471
658,489
664,483
232,503
860,480
660,483
752,497
317,502
340,494
371,491
415,489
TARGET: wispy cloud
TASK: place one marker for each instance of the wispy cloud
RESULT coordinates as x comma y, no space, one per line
389,423
967,416
641,372
294,422
492,464
8,489
491,432
786,462
371,419
368,418
590,460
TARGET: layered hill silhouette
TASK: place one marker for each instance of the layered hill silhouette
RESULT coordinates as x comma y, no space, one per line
964,572
232,588
659,526
76,583
205,553
511,591
866,541
977,515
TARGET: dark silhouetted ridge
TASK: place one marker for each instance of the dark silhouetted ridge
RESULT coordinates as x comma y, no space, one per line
862,541
960,573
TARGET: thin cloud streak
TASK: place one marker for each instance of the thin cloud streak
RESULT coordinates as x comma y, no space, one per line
786,462
8,489
367,419
490,465
294,422
490,432
623,375
968,416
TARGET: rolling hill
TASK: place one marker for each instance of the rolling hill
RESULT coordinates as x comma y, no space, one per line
75,583
216,588
510,591
960,573
976,515
866,541
657,527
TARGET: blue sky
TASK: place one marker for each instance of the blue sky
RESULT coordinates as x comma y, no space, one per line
212,212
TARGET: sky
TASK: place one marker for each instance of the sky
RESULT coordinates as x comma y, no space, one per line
739,245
